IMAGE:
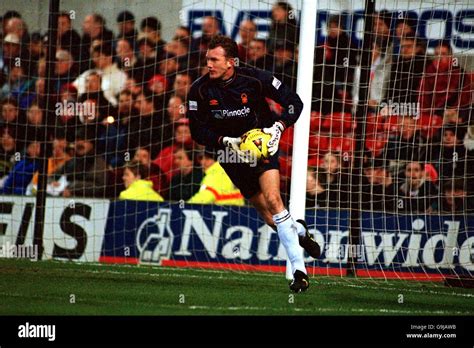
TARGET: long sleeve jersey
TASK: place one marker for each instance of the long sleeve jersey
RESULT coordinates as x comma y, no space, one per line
231,108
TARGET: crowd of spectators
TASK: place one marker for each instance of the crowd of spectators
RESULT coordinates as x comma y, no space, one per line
118,125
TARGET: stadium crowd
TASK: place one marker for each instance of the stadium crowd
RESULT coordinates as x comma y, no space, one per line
115,117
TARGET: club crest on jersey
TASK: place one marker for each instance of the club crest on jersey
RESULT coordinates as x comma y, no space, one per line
213,102
244,98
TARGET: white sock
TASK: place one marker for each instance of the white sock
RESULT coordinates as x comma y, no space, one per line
287,232
300,229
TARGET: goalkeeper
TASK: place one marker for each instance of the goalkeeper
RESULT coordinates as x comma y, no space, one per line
229,101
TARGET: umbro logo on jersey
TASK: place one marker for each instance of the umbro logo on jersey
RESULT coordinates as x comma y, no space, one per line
213,102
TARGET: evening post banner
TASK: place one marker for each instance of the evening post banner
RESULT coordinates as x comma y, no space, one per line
214,237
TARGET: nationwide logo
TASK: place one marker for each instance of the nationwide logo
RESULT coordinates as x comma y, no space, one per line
155,238
213,102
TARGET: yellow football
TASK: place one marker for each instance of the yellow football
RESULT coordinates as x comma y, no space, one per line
255,141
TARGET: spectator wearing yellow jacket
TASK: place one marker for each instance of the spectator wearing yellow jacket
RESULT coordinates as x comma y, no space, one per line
138,189
216,186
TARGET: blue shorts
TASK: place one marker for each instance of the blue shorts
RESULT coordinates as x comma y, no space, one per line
246,177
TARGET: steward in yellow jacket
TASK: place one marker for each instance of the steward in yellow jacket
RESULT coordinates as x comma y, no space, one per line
216,186
137,188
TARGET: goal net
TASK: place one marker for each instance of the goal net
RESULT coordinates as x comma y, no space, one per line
127,184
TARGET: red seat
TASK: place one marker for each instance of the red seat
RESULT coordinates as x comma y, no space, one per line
393,124
429,124
338,123
285,166
318,144
315,161
374,124
315,122
342,144
286,141
376,144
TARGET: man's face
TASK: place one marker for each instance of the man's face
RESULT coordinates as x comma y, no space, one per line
182,135
168,66
449,138
414,173
210,27
128,177
7,141
381,28
256,50
182,84
403,29
16,26
87,24
408,127
64,24
34,149
454,194
143,105
283,55
175,109
101,60
59,148
442,57
126,27
142,156
247,31
83,147
125,103
331,163
334,30
379,175
124,49
9,112
311,182
279,14
35,115
220,67
62,66
93,83
10,49
181,33
408,49
181,160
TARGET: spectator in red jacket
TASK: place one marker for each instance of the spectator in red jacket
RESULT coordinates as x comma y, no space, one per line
445,88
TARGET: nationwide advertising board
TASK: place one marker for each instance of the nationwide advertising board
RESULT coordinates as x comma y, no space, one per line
174,234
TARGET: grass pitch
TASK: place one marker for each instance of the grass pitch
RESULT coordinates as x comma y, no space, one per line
66,288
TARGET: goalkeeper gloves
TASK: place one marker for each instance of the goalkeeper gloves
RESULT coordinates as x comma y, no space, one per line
275,131
234,145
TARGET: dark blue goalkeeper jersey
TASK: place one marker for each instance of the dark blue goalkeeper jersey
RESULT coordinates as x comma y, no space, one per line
217,109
